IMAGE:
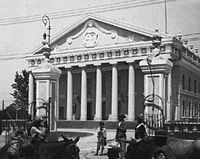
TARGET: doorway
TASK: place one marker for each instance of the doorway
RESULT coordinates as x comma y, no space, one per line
89,111
104,115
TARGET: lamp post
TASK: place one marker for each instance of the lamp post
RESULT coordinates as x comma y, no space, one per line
46,37
46,52
156,42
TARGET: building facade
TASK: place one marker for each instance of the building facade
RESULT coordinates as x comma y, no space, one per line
104,72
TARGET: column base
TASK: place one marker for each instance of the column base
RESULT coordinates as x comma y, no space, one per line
83,119
70,118
97,118
131,119
112,117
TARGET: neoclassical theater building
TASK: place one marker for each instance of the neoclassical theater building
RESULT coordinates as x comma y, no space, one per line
98,68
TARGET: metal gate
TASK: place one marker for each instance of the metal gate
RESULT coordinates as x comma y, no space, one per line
153,114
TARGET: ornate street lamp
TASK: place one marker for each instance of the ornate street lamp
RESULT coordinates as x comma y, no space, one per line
156,39
46,37
156,42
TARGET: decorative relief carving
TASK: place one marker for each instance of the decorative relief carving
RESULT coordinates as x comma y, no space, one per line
135,37
90,37
90,33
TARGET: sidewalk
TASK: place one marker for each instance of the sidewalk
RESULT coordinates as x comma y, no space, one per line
88,144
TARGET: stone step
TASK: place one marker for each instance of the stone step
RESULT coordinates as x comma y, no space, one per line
91,124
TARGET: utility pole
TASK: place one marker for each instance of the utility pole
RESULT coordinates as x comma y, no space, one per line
166,17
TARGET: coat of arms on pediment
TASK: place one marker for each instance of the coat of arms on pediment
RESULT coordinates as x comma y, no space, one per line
90,34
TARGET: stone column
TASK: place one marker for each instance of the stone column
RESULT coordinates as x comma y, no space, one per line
131,93
98,93
169,114
83,94
30,94
161,90
69,94
114,102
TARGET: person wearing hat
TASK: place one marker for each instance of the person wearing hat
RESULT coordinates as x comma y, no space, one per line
15,143
35,130
121,134
101,136
140,130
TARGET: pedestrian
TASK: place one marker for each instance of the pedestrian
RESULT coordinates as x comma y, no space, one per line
0,126
28,124
121,134
140,130
15,144
101,138
35,130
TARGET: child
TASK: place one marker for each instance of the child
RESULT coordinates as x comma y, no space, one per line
101,135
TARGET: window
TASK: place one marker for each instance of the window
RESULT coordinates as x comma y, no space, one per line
183,82
119,84
196,110
199,87
189,84
104,86
183,109
189,109
89,86
195,86
193,110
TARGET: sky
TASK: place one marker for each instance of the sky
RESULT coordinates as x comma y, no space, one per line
21,27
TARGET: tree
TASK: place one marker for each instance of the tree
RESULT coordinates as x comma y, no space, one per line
20,87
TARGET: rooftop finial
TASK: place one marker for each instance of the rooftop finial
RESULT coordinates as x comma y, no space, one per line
191,46
179,36
196,50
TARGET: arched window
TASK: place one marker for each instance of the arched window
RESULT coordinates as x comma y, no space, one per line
183,82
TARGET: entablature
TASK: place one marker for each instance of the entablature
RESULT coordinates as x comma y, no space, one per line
113,53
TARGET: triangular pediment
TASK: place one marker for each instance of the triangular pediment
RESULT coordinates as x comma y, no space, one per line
92,31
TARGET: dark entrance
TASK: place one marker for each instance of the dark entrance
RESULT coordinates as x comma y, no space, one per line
89,111
104,116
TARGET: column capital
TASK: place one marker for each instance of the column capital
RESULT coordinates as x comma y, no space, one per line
130,61
82,65
97,64
113,63
68,67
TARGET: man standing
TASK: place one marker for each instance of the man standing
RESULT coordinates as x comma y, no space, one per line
140,130
101,135
121,134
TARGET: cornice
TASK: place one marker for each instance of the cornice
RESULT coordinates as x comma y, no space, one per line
117,53
190,65
187,93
